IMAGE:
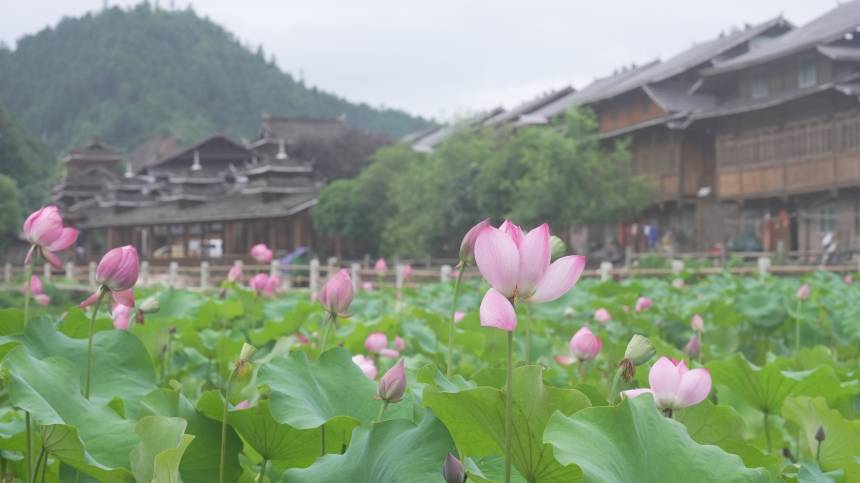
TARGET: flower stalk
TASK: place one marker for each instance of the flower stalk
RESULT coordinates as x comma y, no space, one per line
89,374
509,393
450,365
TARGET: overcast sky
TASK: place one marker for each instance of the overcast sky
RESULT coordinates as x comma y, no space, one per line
444,58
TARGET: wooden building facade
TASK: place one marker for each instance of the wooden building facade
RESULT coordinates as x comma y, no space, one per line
212,200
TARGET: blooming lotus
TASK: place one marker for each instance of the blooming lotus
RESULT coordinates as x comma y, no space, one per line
261,253
375,342
643,303
121,315
116,273
518,267
45,231
259,283
337,293
393,384
366,365
602,315
673,386
584,345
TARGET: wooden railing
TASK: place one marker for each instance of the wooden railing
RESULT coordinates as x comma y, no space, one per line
207,276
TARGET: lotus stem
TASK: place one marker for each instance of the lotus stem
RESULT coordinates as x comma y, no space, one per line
224,428
797,328
29,449
28,272
88,380
509,407
818,453
38,464
613,388
382,409
767,433
261,478
457,285
332,320
528,344
322,440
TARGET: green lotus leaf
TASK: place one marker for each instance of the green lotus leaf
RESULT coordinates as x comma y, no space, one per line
634,442
393,450
476,419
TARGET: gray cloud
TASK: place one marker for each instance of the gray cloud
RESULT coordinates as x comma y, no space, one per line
450,57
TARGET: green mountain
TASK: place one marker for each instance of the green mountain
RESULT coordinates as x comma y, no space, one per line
126,74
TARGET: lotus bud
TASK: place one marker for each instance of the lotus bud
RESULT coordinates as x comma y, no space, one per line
118,269
848,279
697,323
375,342
452,470
380,267
820,435
337,293
693,347
458,316
235,274
399,344
602,315
393,384
150,305
584,345
643,303
467,246
557,247
389,353
243,405
802,292
261,253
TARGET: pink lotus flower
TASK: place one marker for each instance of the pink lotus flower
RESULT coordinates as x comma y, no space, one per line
380,267
235,274
36,291
302,338
697,323
802,292
564,360
643,303
602,315
848,279
673,386
393,384
458,316
693,347
45,231
467,246
584,345
242,405
336,295
367,286
389,353
259,282
406,272
375,342
496,311
399,343
261,253
518,266
366,365
121,316
117,273
272,286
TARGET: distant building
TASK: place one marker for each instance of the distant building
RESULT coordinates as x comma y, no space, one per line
752,139
211,200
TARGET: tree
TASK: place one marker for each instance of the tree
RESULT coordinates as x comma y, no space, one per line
11,213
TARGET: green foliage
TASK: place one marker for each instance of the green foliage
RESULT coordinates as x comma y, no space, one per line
422,204
634,442
127,74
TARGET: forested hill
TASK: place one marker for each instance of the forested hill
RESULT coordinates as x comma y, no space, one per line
125,74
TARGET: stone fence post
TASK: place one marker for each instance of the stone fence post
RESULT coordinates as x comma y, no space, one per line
204,275
355,274
605,271
172,274
314,275
445,273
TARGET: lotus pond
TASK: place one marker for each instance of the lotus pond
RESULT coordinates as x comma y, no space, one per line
779,408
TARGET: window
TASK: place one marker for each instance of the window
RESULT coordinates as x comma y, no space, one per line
807,75
826,218
759,87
